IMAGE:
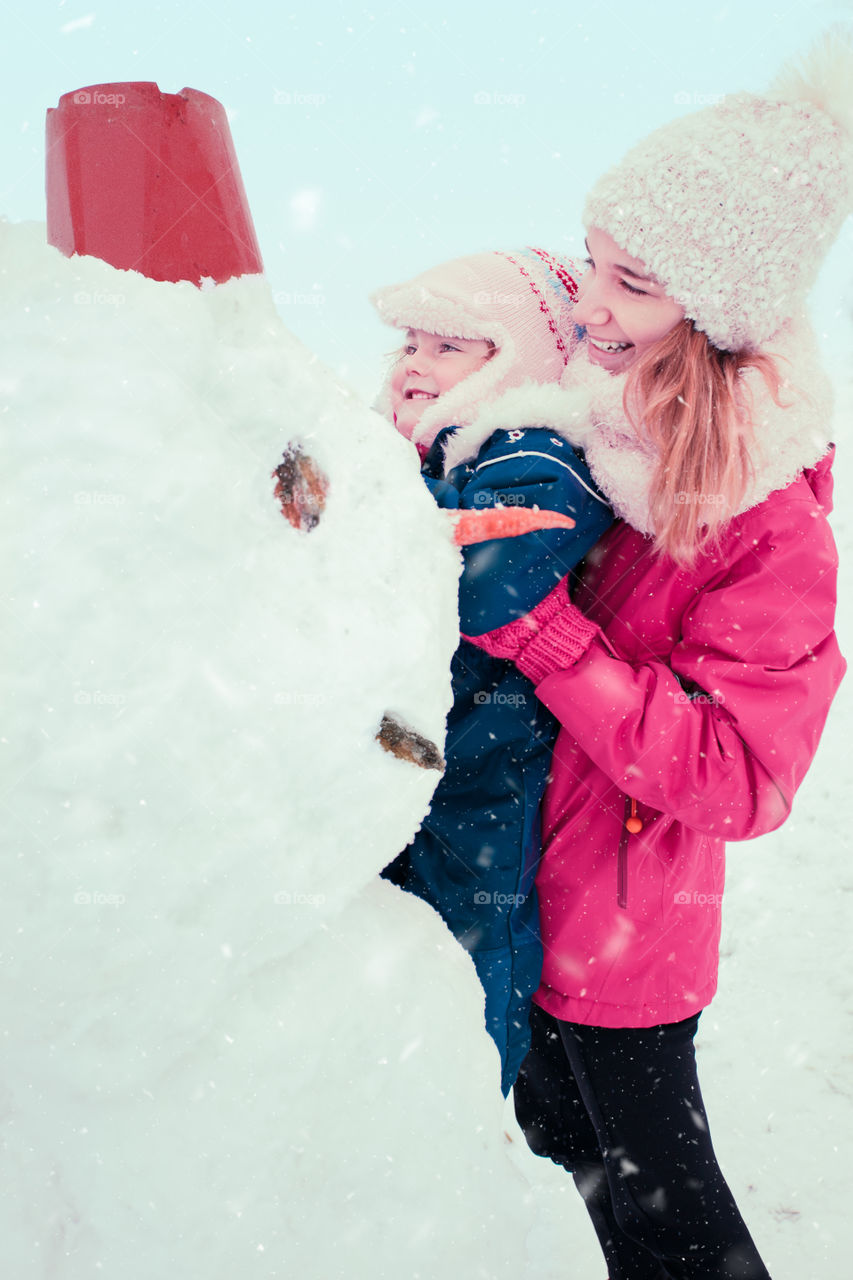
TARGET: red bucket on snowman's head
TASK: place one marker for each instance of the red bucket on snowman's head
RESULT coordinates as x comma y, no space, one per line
148,181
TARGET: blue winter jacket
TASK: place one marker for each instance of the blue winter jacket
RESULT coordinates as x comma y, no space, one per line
475,856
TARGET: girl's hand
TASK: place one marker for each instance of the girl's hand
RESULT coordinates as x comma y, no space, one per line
549,638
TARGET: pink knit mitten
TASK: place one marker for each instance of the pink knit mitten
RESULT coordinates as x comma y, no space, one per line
552,636
558,645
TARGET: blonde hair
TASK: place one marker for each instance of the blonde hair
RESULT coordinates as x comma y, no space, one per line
690,401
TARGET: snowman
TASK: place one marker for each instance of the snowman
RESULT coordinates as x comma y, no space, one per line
230,1049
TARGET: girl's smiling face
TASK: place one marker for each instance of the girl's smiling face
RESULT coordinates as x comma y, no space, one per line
623,308
429,365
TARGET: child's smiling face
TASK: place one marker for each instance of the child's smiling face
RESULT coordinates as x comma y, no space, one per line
429,365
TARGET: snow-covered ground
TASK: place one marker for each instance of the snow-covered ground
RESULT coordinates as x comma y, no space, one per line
228,1048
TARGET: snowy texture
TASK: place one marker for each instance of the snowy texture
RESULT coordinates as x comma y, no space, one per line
229,1049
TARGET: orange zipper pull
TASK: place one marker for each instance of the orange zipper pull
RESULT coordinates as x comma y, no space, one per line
634,824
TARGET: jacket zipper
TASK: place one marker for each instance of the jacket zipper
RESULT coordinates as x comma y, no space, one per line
631,826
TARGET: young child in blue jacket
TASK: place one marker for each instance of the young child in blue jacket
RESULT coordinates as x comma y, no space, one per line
474,387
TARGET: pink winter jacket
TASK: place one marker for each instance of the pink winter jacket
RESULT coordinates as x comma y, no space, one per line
707,720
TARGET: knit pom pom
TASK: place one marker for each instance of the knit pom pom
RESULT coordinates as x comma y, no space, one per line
823,77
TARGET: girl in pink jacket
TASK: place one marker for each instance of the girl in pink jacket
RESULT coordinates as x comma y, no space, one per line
693,665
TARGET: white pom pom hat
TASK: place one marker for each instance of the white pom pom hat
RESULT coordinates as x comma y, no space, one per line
521,301
734,207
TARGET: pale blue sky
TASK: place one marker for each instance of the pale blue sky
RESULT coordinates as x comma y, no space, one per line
375,140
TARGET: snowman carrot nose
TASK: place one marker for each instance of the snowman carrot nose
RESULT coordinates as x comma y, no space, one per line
503,522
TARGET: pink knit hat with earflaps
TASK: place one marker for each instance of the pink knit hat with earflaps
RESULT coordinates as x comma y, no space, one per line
734,207
521,301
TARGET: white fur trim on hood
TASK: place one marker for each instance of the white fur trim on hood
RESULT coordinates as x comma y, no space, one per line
563,410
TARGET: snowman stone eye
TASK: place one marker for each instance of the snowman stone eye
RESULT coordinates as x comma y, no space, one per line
301,488
404,742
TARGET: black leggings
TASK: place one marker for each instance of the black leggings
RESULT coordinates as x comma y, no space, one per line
622,1111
